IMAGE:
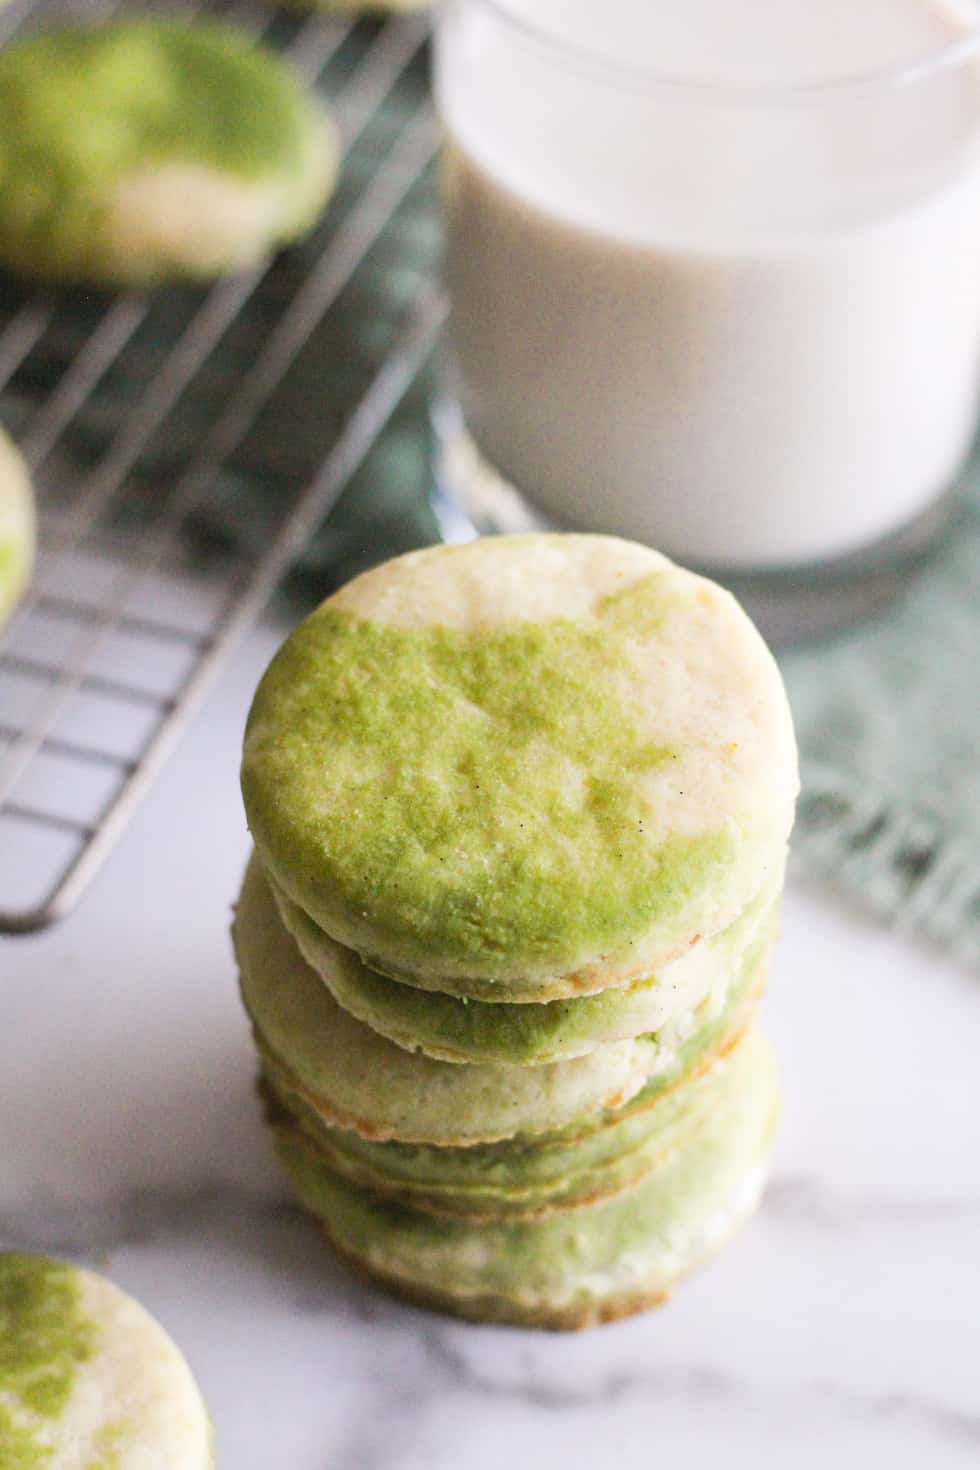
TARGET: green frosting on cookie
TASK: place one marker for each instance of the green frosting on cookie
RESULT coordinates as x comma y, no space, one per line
43,1338
454,1029
107,1445
82,107
468,798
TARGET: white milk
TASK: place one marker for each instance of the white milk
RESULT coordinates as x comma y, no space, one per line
741,325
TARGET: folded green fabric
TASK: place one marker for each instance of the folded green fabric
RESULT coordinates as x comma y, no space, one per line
888,720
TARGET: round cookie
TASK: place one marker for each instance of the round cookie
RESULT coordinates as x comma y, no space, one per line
141,150
514,1180
579,1266
16,526
546,764
88,1378
594,1154
354,1078
455,1030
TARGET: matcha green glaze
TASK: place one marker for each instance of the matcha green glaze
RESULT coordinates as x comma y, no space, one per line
641,608
580,1261
43,1339
108,1445
82,108
452,1029
19,1447
459,803
599,1154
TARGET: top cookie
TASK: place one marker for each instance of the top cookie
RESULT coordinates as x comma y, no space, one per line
554,759
142,149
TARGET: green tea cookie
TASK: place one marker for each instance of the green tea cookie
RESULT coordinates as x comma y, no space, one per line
88,1380
597,1153
455,1030
542,764
16,526
581,1265
145,149
356,1079
520,1178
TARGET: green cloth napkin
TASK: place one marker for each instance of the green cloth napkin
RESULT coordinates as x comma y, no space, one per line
888,719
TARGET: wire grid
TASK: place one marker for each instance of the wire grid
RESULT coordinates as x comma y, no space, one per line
147,420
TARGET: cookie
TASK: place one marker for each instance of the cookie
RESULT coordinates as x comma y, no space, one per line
454,1030
356,1079
497,1179
16,526
590,1263
534,767
88,1378
141,150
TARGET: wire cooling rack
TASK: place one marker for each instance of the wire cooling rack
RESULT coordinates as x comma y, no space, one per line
147,420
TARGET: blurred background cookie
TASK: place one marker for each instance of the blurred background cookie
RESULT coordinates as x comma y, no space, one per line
16,526
148,149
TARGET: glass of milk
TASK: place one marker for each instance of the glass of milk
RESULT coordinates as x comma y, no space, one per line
714,269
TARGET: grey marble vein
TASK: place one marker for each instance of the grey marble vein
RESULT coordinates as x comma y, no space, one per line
415,1364
137,1217
801,1198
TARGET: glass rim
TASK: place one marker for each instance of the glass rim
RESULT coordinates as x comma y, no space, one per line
758,93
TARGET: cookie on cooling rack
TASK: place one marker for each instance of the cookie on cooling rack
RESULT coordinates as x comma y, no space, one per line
142,150
87,1377
16,526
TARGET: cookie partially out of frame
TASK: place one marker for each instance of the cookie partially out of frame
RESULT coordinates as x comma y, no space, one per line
140,150
89,1379
583,1265
16,526
523,769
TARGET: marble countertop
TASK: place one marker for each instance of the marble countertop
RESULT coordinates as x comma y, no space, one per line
843,1328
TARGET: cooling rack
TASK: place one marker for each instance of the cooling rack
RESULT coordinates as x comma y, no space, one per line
150,421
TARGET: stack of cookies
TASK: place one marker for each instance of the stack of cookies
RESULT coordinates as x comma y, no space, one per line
520,811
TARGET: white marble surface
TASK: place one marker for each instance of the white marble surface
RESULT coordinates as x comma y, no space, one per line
842,1329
